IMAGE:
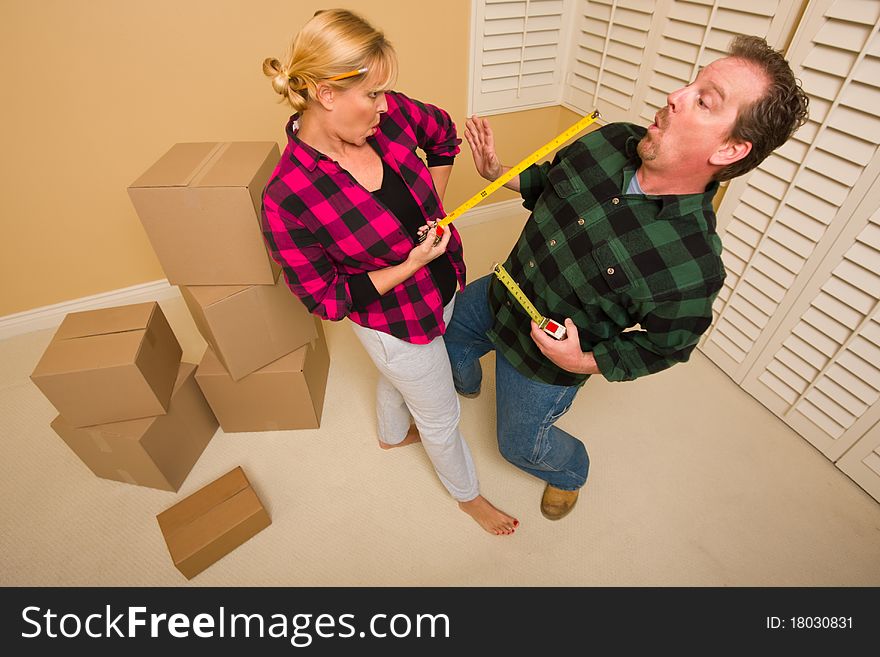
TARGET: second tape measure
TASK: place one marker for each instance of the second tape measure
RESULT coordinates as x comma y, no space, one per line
524,164
551,328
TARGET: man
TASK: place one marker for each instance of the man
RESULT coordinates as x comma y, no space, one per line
622,233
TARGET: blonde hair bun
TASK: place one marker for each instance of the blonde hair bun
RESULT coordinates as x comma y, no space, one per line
280,80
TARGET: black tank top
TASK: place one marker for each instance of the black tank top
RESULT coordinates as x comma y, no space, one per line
395,196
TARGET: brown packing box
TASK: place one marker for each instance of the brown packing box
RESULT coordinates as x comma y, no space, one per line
212,522
250,326
110,364
285,394
158,452
200,206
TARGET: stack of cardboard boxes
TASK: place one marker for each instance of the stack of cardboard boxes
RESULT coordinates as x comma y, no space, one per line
128,407
266,364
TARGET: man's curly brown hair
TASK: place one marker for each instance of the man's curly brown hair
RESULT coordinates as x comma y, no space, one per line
770,121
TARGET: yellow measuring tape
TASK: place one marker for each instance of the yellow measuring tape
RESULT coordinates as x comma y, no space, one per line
498,183
554,329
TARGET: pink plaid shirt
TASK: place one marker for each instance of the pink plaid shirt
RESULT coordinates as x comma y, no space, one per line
322,227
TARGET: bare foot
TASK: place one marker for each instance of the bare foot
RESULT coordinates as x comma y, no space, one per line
491,519
412,436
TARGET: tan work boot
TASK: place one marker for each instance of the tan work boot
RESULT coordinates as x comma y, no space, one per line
557,503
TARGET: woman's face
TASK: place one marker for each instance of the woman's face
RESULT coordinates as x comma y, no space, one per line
357,111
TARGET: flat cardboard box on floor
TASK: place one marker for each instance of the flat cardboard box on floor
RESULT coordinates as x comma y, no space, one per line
212,522
157,452
250,326
110,364
200,207
285,394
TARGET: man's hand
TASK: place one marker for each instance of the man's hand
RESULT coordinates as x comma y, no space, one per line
565,353
482,143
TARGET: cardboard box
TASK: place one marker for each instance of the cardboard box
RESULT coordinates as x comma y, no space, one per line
285,394
250,326
212,522
200,207
157,452
110,364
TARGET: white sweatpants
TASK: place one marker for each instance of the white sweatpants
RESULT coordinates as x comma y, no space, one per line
415,383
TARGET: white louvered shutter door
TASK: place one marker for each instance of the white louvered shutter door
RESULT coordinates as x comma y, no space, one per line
519,47
609,55
778,222
821,370
798,320
694,33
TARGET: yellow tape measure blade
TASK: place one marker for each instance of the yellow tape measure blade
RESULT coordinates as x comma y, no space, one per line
551,328
521,166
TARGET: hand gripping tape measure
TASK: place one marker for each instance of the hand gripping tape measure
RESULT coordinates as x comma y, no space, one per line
499,182
551,328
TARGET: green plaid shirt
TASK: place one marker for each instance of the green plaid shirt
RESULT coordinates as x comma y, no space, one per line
610,261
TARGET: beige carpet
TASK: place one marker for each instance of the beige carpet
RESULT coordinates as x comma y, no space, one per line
693,483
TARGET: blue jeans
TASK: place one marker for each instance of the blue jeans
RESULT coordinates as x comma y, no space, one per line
526,408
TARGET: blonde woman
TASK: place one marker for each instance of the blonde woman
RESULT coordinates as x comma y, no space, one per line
342,214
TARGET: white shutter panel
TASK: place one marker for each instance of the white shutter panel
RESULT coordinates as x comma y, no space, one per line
821,371
517,54
781,220
696,32
609,54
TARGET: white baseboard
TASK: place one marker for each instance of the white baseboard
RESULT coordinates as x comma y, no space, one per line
51,316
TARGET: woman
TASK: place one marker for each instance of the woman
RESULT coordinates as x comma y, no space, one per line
342,214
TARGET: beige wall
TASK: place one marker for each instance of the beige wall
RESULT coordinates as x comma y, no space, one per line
96,90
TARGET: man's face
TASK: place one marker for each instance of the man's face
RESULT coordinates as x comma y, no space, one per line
698,118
